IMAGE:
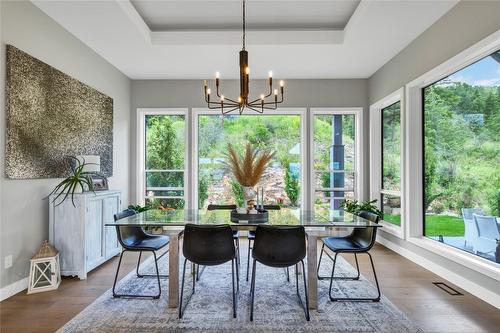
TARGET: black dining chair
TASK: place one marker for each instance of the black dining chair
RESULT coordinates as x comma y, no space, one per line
236,233
208,245
135,239
361,240
280,246
251,238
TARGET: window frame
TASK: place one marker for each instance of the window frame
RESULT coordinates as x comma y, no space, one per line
141,148
197,112
376,159
414,191
358,153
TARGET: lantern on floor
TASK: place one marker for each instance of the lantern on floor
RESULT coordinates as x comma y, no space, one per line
45,274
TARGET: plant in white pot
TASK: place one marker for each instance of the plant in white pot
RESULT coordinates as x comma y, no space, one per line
77,182
248,169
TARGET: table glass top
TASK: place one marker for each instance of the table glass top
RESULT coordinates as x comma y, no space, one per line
285,216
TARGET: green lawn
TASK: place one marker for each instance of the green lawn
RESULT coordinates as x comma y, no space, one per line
435,225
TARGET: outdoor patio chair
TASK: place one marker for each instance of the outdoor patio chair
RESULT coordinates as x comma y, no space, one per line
470,230
487,233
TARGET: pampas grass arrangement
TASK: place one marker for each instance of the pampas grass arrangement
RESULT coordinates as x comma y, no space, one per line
249,168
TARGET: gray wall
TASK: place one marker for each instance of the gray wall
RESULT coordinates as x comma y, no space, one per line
298,93
464,25
24,211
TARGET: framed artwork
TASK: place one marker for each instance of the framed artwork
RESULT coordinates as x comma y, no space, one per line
51,115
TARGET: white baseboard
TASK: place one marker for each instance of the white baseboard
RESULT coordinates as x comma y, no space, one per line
466,284
13,288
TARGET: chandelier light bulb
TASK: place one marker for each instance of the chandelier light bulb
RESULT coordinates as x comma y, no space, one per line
282,83
262,96
276,91
208,91
239,99
270,73
222,98
217,75
247,70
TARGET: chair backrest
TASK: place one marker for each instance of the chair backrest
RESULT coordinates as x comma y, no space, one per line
279,246
128,236
221,207
487,227
208,244
124,213
365,237
272,207
467,213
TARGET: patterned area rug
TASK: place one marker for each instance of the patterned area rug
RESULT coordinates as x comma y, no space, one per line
277,308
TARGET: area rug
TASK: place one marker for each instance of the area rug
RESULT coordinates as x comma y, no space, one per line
210,310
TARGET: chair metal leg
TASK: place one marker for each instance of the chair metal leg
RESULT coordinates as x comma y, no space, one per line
248,256
233,264
237,275
157,274
306,307
149,275
252,290
288,275
337,277
116,295
116,274
199,272
334,299
182,309
237,243
377,299
138,263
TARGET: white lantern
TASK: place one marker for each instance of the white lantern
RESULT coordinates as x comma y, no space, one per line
45,274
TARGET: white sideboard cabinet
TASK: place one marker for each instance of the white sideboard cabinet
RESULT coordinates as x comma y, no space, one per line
79,231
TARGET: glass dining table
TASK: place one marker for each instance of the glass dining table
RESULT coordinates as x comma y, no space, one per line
317,224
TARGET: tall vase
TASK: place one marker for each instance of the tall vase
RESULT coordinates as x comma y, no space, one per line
249,194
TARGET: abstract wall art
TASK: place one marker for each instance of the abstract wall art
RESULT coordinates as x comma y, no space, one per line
51,115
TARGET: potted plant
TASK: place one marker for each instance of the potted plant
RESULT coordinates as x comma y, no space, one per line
354,207
140,209
77,182
248,169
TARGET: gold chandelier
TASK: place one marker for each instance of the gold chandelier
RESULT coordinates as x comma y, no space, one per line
227,105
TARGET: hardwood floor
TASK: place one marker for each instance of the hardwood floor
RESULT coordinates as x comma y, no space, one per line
406,284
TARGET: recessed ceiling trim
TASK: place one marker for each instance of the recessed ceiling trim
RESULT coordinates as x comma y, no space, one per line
256,37
230,36
135,17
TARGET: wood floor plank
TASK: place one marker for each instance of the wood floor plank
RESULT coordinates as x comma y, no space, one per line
406,284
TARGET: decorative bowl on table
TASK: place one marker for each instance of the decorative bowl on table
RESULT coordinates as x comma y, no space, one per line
259,217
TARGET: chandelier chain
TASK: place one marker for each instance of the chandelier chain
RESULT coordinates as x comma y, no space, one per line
244,23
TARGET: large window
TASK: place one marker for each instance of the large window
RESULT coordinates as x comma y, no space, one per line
390,189
462,158
334,164
164,160
280,133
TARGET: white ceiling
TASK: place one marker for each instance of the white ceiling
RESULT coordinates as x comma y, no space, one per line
175,15
296,39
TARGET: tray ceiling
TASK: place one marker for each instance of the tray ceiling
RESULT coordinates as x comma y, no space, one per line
295,39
